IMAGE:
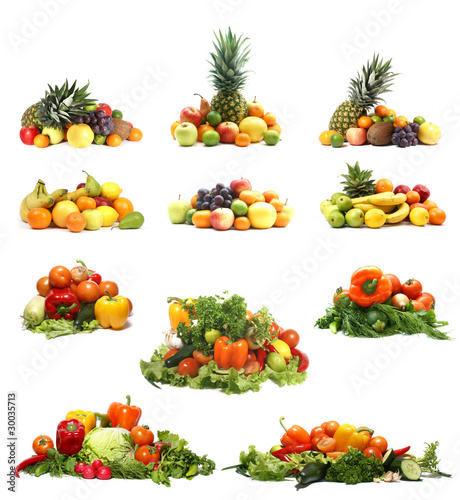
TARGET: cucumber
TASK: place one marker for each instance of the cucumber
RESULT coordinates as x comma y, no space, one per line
222,371
185,352
311,473
388,459
407,467
85,313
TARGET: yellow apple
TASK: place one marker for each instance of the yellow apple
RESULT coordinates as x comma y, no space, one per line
80,136
429,133
262,215
255,127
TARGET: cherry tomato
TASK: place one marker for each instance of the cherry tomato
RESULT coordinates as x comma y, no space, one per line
170,353
334,454
111,286
202,359
42,444
380,443
418,305
130,304
395,282
251,366
60,277
372,450
316,440
188,366
326,444
342,297
146,453
331,427
426,301
316,430
291,337
251,355
426,294
249,315
73,287
274,330
43,286
88,291
412,289
142,435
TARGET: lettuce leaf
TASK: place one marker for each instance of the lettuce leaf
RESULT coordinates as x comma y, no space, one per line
53,328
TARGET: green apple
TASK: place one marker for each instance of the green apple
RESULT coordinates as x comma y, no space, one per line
94,219
212,335
91,107
354,217
177,210
336,219
239,207
335,196
250,104
419,119
186,134
189,215
344,203
54,134
211,138
324,205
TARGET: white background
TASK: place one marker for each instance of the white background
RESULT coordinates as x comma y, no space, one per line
405,388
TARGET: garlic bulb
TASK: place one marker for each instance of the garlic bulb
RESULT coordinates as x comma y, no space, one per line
172,341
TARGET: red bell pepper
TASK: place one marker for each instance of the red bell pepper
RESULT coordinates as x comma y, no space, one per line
125,416
61,303
92,276
69,436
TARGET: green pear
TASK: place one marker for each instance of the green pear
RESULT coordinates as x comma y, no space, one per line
289,210
93,186
336,219
177,211
93,218
344,203
324,205
335,196
354,217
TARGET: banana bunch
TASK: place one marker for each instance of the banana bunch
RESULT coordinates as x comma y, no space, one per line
393,205
40,198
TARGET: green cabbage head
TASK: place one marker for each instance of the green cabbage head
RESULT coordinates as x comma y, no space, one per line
107,444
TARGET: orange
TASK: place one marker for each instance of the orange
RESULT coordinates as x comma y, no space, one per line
173,128
413,197
381,110
202,218
275,127
282,219
269,119
437,216
113,140
401,121
201,130
39,218
269,195
247,196
123,206
135,135
85,203
256,110
193,201
259,197
430,205
325,137
242,139
41,141
278,204
365,122
242,223
75,222
383,186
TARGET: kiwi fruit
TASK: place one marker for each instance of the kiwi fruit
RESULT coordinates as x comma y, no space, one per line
380,133
122,128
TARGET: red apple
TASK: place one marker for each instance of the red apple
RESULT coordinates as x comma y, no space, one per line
27,134
356,136
222,218
227,131
401,189
102,202
192,115
105,107
81,185
423,191
240,185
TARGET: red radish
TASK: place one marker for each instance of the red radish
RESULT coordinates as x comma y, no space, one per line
97,464
104,472
27,135
401,189
423,191
79,467
88,472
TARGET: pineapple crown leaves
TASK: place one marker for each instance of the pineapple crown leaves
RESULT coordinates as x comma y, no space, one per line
375,79
231,54
358,182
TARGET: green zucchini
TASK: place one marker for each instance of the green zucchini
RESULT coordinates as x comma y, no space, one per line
388,459
408,468
85,313
222,371
185,352
311,473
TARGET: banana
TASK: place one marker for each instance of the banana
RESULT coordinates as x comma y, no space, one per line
358,201
365,207
36,199
399,215
74,195
386,199
59,195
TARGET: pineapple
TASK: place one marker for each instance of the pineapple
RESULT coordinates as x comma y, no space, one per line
58,107
228,77
364,94
358,183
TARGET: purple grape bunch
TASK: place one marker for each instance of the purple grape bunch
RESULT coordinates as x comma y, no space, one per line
98,121
405,136
220,196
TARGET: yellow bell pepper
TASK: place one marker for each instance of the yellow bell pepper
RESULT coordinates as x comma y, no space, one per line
112,312
87,418
347,436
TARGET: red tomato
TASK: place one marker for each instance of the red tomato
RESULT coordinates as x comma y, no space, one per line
316,430
426,301
340,294
274,330
331,427
60,277
147,453
42,444
189,367
43,286
412,289
291,337
88,291
395,282
418,305
141,435
316,440
426,294
326,445
368,452
170,353
108,286
380,443
105,107
202,359
251,366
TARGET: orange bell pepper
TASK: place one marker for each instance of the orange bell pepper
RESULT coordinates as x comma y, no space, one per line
177,312
125,416
294,435
369,286
112,312
347,436
230,355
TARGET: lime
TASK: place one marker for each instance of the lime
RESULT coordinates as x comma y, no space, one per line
271,137
214,118
389,119
211,138
336,140
419,120
99,139
276,362
116,113
376,119
189,215
239,207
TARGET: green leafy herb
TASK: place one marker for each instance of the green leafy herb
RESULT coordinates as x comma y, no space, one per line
56,464
429,462
53,328
354,467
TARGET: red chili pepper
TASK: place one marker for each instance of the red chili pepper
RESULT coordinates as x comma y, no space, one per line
61,303
295,448
270,347
92,276
261,355
304,361
284,458
28,461
402,451
69,436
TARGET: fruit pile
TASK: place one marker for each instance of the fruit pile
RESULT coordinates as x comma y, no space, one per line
365,201
91,206
229,118
351,121
67,114
235,206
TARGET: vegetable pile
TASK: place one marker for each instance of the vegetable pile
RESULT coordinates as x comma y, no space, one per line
336,453
112,444
378,305
75,301
215,342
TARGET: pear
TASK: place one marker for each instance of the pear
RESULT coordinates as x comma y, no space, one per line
177,211
93,186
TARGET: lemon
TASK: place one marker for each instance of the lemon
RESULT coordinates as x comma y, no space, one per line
419,216
375,218
109,215
111,190
282,348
